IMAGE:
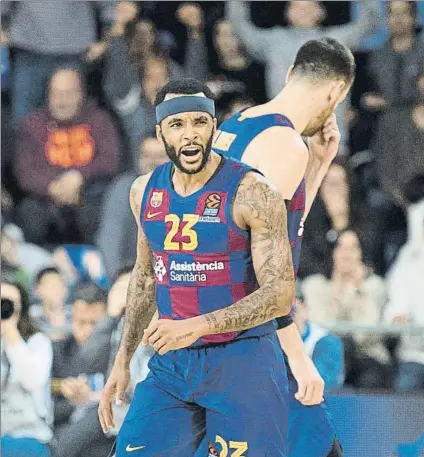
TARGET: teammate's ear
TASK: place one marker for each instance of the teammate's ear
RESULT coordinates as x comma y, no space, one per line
289,73
336,90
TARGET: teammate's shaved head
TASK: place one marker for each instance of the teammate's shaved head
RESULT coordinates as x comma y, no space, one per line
325,59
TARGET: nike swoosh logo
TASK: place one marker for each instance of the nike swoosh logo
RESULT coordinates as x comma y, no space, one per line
150,215
129,448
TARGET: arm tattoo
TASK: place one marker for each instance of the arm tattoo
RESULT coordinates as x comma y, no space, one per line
141,301
139,309
265,212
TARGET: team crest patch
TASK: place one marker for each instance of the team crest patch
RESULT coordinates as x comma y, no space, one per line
212,205
212,451
156,199
159,268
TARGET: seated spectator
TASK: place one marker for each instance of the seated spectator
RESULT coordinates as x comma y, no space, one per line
44,36
26,361
117,221
134,73
233,71
352,294
109,331
79,379
335,209
398,157
22,259
325,348
52,314
79,264
66,152
406,292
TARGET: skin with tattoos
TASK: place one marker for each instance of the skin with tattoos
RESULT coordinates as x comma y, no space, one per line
140,307
141,290
259,207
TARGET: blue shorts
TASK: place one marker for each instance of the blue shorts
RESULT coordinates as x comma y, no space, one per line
311,431
231,398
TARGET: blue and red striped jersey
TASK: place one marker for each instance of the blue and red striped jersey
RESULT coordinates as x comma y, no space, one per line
232,139
202,259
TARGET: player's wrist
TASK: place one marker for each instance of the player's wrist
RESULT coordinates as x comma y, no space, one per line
200,326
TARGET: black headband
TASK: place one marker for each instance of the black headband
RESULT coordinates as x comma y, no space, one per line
184,104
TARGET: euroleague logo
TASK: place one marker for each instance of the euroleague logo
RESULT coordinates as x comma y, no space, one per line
212,205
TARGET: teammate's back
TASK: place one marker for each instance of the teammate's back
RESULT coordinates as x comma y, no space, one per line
233,139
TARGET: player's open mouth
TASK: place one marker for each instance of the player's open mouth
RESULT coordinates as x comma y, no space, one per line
192,155
191,152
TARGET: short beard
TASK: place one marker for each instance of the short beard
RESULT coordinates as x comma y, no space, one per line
172,154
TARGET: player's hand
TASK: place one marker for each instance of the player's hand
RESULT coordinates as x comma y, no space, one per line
117,384
325,143
310,384
168,335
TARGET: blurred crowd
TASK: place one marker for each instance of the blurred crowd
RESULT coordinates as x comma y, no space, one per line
79,81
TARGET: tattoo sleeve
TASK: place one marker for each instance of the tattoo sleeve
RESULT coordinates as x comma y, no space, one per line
141,303
264,211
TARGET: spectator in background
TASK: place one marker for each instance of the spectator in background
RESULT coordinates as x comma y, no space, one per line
20,259
325,348
108,334
45,35
277,47
66,153
26,360
236,105
232,69
52,314
335,209
406,292
393,69
78,380
352,294
132,79
398,151
116,238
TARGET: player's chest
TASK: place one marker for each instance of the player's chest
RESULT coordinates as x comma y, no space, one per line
187,225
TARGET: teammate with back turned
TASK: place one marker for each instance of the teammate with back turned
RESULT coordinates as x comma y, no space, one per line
269,137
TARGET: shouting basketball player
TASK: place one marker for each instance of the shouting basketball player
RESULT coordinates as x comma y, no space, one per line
213,255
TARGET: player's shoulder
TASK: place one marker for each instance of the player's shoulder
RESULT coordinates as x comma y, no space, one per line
254,185
276,143
139,185
256,199
137,190
277,136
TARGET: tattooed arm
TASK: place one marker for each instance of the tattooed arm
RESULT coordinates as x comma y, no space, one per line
139,310
260,207
141,290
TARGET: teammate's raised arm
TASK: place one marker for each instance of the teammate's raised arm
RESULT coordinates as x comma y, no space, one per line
261,207
139,310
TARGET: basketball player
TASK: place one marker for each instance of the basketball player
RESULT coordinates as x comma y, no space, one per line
213,254
269,137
